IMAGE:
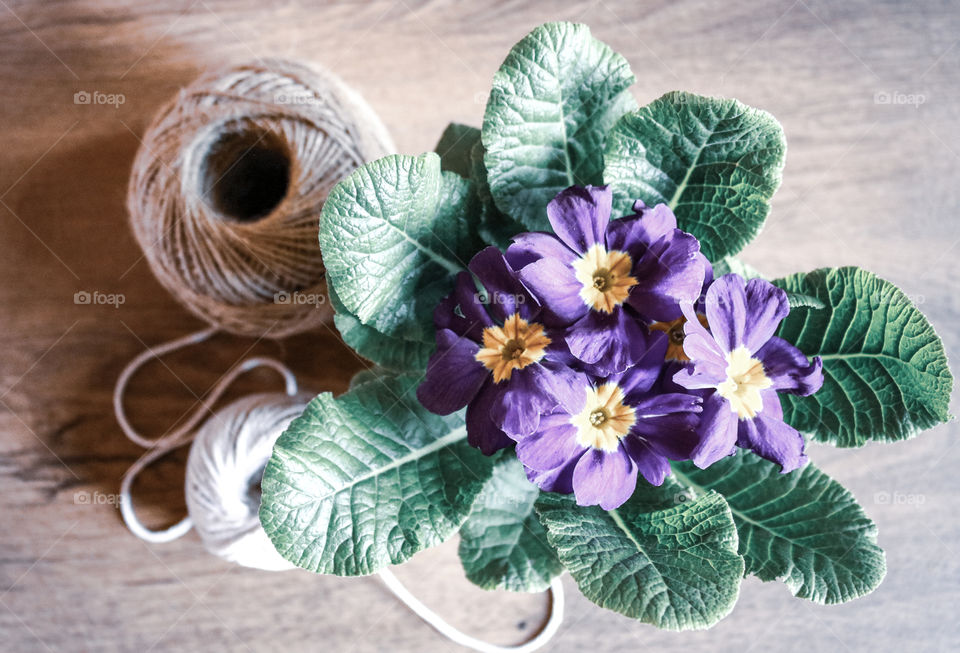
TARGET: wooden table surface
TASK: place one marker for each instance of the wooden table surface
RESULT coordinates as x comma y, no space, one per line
868,182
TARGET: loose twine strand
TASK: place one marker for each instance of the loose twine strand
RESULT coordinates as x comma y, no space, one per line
229,256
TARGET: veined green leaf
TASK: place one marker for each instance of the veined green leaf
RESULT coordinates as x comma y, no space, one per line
368,479
387,351
503,545
803,528
393,234
496,227
676,568
799,300
885,369
715,162
554,99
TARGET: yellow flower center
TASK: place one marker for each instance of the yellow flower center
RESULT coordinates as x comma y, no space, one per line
604,420
512,347
745,379
604,277
675,336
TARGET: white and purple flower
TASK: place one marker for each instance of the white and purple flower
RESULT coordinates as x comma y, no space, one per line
593,269
743,366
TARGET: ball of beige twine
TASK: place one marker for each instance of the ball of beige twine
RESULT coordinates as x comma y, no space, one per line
227,188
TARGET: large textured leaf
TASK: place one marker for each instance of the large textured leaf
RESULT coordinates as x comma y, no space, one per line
368,479
388,351
885,370
393,234
503,545
802,528
675,568
554,99
496,227
715,162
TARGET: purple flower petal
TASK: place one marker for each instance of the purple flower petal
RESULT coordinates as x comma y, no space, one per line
668,424
658,220
471,318
768,436
506,293
561,383
709,366
579,215
731,301
556,286
522,399
717,431
607,342
482,433
628,235
651,464
640,378
553,445
671,270
604,478
767,305
454,376
700,306
709,360
673,436
661,404
726,307
559,479
789,368
533,246
633,234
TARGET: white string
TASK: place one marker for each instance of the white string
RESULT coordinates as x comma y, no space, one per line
204,408
459,637
166,443
185,434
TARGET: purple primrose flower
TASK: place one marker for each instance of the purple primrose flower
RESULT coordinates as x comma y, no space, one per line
744,366
593,268
596,441
494,356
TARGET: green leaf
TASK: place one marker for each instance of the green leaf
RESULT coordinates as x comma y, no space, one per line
715,162
454,148
369,374
503,545
554,99
885,371
393,235
496,227
799,300
803,528
366,480
676,568
387,351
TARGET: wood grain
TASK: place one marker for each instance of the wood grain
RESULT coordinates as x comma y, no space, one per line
867,183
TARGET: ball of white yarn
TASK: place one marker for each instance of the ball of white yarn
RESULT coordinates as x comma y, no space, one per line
226,191
223,477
